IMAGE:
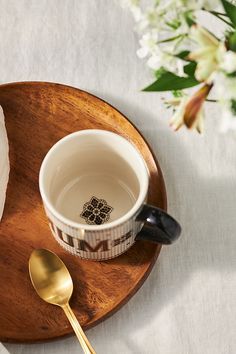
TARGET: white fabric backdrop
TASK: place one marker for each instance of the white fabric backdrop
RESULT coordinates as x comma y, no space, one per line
187,305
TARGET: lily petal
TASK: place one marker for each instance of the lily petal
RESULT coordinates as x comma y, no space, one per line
177,120
192,115
203,37
209,54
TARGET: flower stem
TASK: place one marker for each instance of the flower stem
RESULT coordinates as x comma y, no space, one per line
218,13
210,100
214,13
171,39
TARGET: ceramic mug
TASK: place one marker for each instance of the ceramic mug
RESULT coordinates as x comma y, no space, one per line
94,186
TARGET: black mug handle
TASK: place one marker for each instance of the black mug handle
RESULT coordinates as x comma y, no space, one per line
159,226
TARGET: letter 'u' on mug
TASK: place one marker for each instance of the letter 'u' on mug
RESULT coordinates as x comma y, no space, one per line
94,186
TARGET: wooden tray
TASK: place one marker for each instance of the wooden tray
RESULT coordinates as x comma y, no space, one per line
37,115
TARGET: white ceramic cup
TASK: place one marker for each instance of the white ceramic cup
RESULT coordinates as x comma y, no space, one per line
94,186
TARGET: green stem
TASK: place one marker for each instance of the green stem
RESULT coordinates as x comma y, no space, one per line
218,13
209,100
214,13
171,39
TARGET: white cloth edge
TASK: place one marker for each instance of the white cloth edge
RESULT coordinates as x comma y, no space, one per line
4,162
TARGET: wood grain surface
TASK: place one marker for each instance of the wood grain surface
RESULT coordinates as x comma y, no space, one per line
37,115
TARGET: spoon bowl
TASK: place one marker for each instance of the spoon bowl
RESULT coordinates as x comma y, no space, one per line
53,283
50,277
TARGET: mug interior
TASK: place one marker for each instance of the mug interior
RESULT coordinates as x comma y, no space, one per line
93,177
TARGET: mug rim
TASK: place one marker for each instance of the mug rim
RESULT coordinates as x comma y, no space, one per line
74,224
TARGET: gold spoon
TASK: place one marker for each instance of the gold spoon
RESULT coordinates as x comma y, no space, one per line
52,282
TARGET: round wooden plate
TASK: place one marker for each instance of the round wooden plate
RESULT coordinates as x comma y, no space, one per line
37,115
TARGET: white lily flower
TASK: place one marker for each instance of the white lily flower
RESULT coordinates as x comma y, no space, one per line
177,120
166,33
152,18
158,16
167,61
157,57
148,44
190,110
209,54
228,119
229,62
225,92
224,87
169,20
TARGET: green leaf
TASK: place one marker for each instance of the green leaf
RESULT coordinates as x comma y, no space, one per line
230,10
183,55
174,24
177,93
190,18
160,72
232,41
190,68
169,81
232,75
170,39
233,107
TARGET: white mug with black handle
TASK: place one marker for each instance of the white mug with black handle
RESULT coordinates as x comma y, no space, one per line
94,186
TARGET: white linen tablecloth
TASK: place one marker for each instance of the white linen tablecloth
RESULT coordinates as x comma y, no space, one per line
188,304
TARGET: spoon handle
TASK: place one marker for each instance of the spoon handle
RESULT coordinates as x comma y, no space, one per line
88,349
